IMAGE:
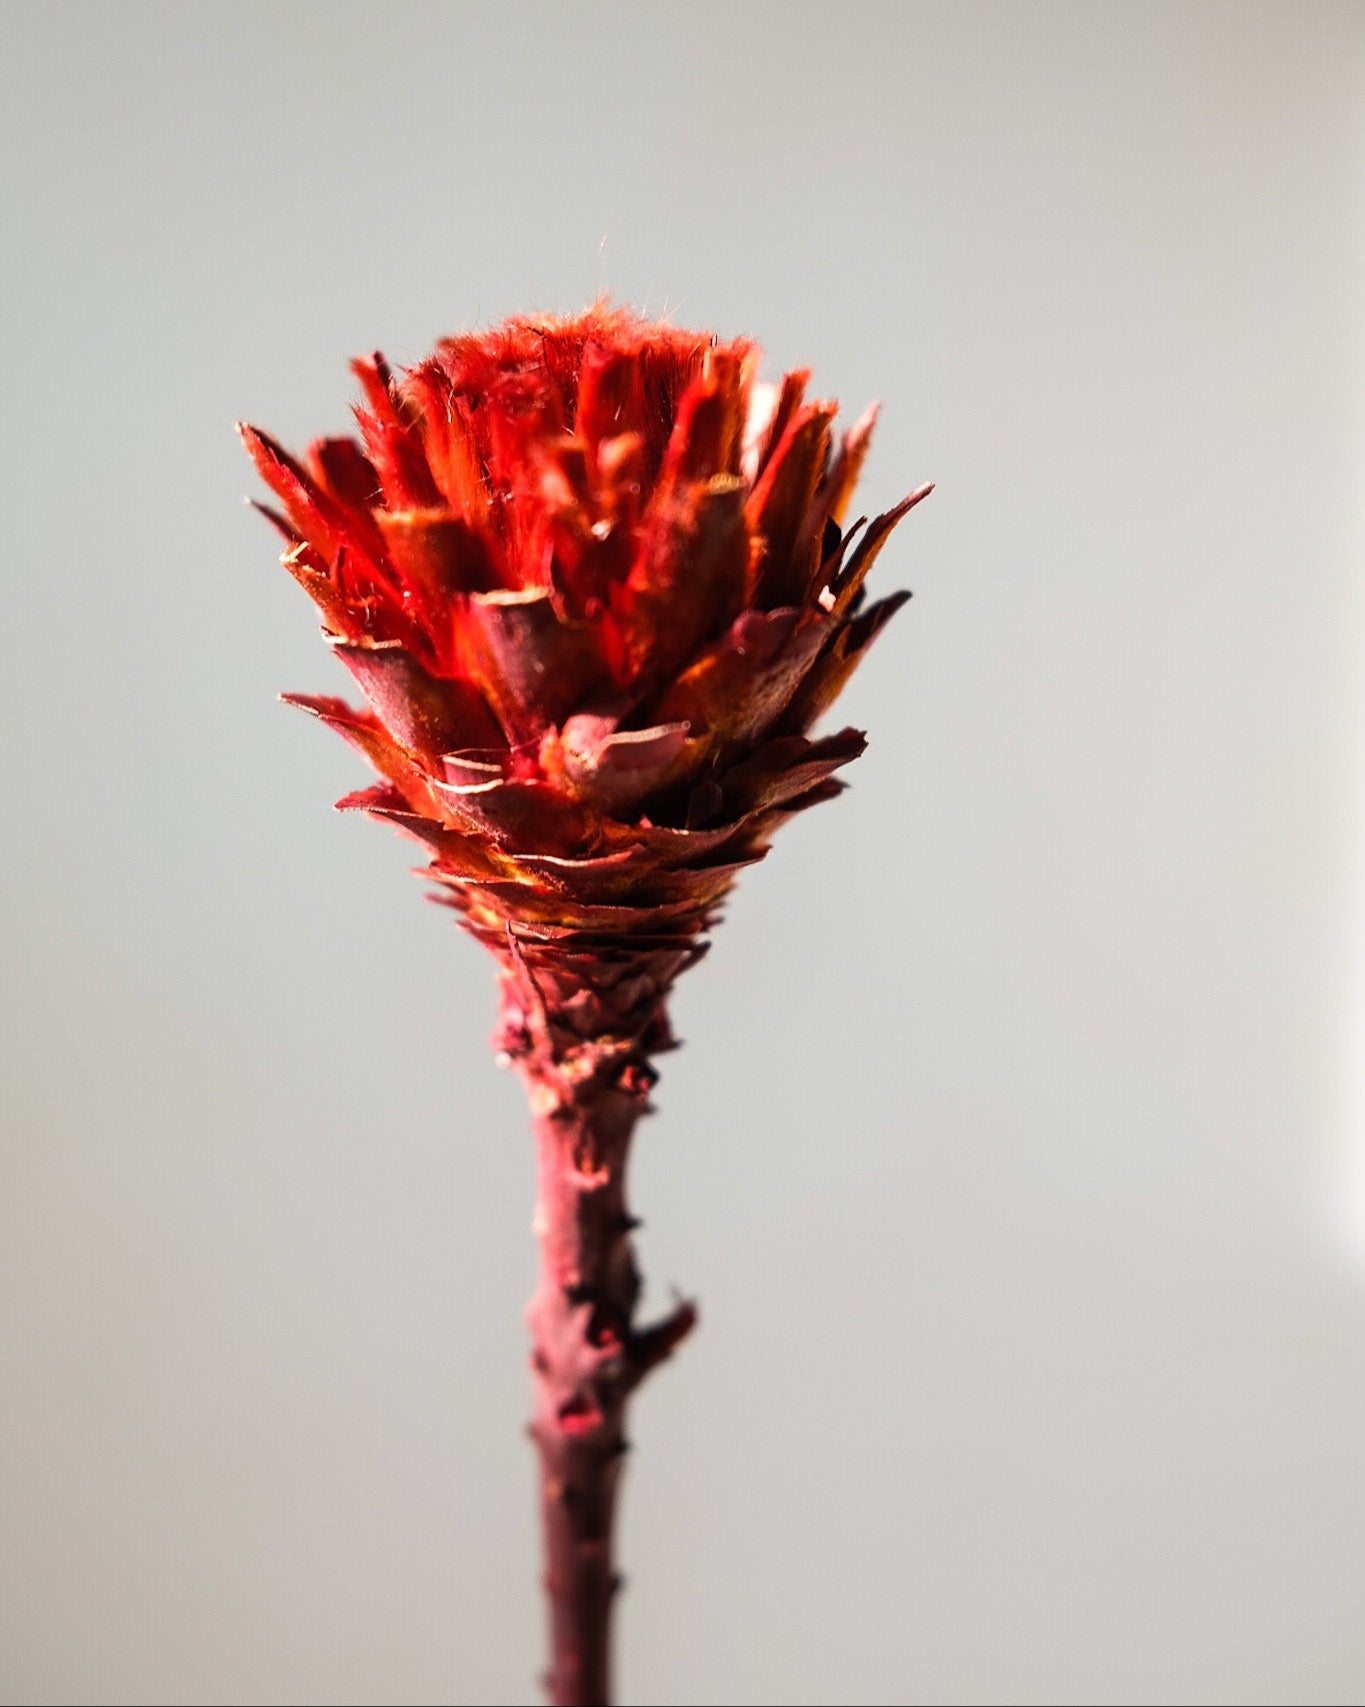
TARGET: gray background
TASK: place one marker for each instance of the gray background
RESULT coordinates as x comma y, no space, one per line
1012,1151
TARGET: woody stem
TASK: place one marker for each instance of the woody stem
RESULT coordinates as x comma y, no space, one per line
587,1353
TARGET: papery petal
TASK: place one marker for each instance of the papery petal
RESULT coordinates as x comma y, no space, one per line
741,685
427,714
449,442
471,856
392,441
532,902
688,581
615,770
769,417
610,399
846,583
364,731
347,475
839,483
437,553
336,613
531,816
780,503
707,436
597,877
310,511
278,520
828,678
788,767
533,667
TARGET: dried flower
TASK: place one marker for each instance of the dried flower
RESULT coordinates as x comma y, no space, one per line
592,578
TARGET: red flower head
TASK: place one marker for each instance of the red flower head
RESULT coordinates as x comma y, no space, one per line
593,581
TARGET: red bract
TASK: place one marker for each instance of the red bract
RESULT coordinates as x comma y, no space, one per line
594,583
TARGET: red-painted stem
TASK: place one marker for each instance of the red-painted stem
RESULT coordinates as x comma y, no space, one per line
587,1353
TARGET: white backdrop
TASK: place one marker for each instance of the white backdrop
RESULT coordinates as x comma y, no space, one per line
1009,1152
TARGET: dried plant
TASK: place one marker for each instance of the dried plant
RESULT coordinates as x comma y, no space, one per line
593,580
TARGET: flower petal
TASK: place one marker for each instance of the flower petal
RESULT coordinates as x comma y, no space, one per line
616,770
429,715
740,686
533,668
783,769
392,440
848,579
364,731
837,487
437,554
687,582
529,816
828,678
779,505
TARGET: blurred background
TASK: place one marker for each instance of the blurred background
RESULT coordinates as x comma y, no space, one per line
1017,1151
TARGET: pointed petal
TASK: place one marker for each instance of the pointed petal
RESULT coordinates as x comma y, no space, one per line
473,766
687,582
681,847
449,442
391,439
527,816
363,730
771,410
533,668
377,797
741,684
621,478
429,715
783,769
312,513
827,680
609,397
838,485
345,473
830,789
320,587
282,525
844,587
708,431
437,553
780,503
599,877
467,855
550,910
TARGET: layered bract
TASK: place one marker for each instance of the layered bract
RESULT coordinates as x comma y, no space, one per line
593,580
